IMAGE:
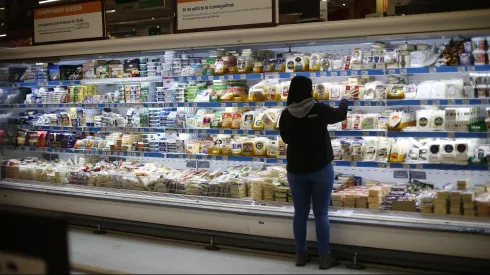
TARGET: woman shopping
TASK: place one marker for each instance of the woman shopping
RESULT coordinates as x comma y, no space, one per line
303,126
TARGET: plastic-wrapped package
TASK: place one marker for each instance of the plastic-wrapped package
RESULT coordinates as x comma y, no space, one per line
384,149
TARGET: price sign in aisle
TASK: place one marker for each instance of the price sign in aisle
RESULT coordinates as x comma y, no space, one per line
69,22
194,15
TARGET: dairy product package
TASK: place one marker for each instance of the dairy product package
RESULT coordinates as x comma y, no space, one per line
369,149
320,91
424,90
424,117
438,90
454,88
384,149
397,91
438,120
336,91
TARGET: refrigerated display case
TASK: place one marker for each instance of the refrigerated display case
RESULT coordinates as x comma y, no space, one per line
188,136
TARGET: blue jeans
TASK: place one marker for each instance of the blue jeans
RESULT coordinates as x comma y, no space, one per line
304,187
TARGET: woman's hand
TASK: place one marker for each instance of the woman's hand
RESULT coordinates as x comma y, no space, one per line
350,95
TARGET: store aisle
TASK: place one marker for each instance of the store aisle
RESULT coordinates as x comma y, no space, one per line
130,254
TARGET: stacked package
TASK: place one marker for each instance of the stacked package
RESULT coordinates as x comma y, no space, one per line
483,205
463,184
468,198
376,197
455,202
426,202
441,202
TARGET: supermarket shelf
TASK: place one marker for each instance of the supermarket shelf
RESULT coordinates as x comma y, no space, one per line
280,104
370,72
88,152
273,133
439,134
121,80
45,83
438,102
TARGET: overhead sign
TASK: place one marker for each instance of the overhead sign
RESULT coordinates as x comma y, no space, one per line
202,15
69,23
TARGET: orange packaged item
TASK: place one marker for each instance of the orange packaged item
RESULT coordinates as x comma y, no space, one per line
237,121
226,120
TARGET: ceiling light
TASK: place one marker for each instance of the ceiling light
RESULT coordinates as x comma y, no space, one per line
3,35
343,4
47,1
111,11
2,8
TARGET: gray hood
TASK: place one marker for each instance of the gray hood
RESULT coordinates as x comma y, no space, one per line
300,110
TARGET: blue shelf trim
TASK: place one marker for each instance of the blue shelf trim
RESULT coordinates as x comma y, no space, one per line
439,134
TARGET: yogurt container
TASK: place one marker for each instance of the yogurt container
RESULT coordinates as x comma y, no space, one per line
482,91
480,57
479,43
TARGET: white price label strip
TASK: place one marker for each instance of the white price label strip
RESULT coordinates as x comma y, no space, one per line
344,213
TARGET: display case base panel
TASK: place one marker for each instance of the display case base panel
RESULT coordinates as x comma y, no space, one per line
410,232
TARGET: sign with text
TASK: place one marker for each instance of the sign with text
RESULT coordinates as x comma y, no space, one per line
69,23
196,15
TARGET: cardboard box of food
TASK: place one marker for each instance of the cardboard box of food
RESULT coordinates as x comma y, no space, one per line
408,206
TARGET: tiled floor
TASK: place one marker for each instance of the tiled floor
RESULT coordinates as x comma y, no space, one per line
132,254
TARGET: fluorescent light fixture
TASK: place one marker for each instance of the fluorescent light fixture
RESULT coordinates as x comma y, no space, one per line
111,11
3,35
2,8
47,1
343,4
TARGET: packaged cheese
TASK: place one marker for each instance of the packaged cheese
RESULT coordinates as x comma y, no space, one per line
320,92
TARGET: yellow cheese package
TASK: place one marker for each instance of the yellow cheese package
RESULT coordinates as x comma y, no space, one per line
285,90
237,121
268,121
276,91
397,91
258,123
399,150
226,120
400,120
248,148
260,146
315,61
248,119
261,91
320,91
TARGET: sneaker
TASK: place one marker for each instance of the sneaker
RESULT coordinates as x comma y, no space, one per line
327,262
302,259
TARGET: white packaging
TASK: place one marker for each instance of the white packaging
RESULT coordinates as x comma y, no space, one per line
438,90
451,114
434,151
464,149
438,120
411,92
336,149
454,88
469,91
336,91
384,149
418,59
369,149
424,118
448,152
424,90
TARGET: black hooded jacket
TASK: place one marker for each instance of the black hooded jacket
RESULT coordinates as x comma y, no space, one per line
309,146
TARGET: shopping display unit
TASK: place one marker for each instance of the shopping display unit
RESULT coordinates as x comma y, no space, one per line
189,138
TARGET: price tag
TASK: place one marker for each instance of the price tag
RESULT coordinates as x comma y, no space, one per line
332,104
461,69
419,166
41,84
381,134
436,102
332,134
221,77
451,135
204,131
471,68
344,213
323,74
180,156
293,75
271,76
16,85
343,73
354,73
259,104
194,105
367,103
381,165
403,71
234,132
243,76
466,102
187,131
246,105
357,103
225,158
424,102
484,102
365,134
234,105
181,79
353,163
230,77
391,72
333,74
280,162
223,105
257,160
213,157
186,105
380,103
432,70
451,102
312,75
406,166
221,132
43,150
364,73
257,133
280,104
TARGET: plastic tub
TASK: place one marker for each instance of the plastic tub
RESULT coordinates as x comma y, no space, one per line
482,91
480,57
479,43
